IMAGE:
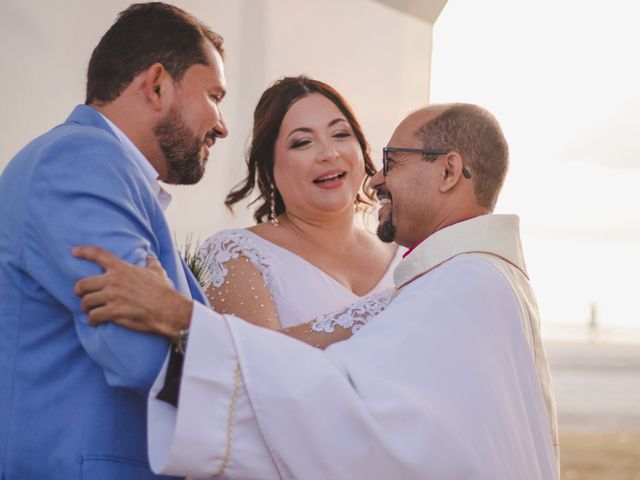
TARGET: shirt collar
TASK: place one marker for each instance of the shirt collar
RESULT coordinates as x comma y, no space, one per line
496,235
150,173
404,255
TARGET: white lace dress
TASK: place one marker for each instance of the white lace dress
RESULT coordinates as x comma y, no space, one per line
300,291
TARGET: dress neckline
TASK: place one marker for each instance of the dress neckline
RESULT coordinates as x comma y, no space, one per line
315,267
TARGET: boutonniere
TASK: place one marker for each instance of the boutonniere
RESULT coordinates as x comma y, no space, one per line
197,263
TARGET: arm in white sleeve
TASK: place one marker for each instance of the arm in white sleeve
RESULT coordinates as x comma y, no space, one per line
433,387
202,437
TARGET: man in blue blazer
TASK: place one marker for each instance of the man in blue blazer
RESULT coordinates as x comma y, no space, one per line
73,397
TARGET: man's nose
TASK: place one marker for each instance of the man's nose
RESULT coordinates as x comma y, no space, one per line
220,130
377,181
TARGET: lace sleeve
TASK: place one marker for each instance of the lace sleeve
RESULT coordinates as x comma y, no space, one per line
227,245
239,278
354,316
341,324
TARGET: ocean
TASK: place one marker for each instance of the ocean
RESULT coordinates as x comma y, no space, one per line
597,383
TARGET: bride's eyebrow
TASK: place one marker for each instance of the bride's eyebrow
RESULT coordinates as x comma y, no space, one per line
299,129
307,129
337,120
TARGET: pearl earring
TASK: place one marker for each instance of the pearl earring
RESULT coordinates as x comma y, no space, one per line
273,218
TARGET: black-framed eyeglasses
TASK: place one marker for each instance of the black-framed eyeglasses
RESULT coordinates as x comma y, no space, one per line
424,151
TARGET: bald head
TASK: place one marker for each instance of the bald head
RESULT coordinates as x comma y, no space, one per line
421,193
475,134
420,117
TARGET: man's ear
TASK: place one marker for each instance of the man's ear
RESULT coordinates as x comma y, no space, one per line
155,85
452,166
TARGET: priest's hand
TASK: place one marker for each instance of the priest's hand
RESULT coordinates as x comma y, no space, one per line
141,299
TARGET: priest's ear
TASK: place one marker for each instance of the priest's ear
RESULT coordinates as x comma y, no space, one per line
452,171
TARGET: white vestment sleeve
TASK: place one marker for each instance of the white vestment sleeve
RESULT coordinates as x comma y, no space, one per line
440,385
200,437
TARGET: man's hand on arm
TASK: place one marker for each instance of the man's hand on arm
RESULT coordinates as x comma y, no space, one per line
141,299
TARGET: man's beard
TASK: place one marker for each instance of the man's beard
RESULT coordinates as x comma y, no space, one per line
386,230
181,149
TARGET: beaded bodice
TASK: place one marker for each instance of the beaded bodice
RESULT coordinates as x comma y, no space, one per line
301,292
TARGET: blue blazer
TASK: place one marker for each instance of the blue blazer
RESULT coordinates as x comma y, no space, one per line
73,397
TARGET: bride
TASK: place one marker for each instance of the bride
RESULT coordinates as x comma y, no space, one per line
308,253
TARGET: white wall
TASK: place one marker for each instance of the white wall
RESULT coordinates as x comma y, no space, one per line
376,56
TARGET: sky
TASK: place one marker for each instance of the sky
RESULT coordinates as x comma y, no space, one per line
563,79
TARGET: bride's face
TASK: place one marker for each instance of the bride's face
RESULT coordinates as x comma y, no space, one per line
318,162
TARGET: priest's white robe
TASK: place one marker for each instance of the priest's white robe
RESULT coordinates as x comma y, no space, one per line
449,382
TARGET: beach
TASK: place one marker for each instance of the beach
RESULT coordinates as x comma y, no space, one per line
597,387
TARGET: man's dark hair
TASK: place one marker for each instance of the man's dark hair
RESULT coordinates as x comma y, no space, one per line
144,34
476,135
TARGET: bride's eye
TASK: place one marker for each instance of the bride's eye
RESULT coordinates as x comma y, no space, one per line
342,134
300,143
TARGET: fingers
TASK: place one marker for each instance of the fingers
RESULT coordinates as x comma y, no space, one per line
130,296
109,312
106,314
97,255
102,315
155,266
92,301
89,284
99,315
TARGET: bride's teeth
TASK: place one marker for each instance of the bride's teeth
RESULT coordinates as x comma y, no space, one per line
384,201
330,177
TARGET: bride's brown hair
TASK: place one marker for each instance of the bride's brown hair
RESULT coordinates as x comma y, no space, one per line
267,118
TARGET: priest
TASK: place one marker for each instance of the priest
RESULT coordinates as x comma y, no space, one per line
450,381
